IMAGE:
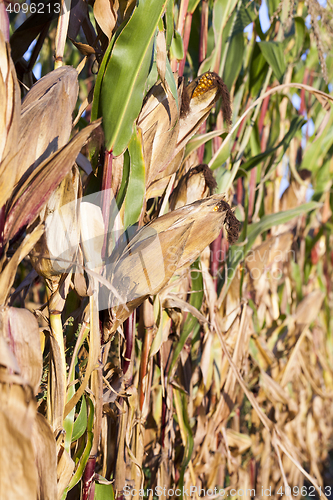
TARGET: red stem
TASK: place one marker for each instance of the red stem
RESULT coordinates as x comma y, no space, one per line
186,39
88,483
239,190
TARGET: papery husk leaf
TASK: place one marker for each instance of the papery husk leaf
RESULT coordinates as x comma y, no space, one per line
159,122
56,387
83,283
44,445
308,309
272,250
7,358
18,472
144,268
62,230
46,118
9,121
158,186
196,184
110,14
39,186
161,55
238,440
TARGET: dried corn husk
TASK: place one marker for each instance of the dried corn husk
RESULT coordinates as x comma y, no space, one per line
196,184
197,100
9,121
165,245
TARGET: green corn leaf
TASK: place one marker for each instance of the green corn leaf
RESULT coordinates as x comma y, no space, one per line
177,49
300,31
104,492
126,72
85,455
136,182
169,23
198,140
273,53
185,431
80,423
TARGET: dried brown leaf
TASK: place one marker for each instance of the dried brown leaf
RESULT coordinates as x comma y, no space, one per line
111,13
9,120
44,445
159,122
39,186
18,473
46,118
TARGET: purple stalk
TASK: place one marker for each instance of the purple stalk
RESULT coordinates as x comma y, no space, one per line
88,483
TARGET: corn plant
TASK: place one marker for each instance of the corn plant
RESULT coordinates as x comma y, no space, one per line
165,249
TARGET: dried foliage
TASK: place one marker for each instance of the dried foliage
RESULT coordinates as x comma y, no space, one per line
166,313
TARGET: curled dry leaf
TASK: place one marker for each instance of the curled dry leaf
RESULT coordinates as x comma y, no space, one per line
19,328
9,266
65,470
9,120
110,14
27,203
